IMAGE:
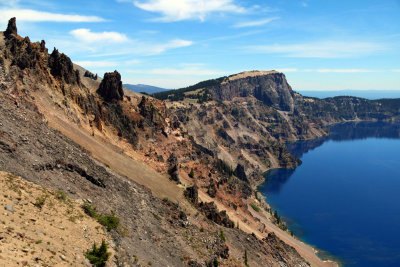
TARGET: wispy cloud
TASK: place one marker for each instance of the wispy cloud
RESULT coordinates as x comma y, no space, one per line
160,48
255,23
288,70
234,36
87,36
40,16
178,10
85,44
396,70
326,49
344,70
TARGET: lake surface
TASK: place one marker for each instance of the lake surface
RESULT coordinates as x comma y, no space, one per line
345,197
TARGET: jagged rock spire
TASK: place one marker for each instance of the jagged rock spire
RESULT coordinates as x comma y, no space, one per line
11,28
111,87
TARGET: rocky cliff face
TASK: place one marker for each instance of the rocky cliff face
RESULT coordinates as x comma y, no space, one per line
345,108
271,88
247,134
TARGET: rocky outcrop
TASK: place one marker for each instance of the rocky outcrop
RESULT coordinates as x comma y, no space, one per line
90,75
11,28
240,173
270,88
210,210
110,88
61,67
173,168
26,54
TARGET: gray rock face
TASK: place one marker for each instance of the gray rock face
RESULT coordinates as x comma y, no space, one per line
272,89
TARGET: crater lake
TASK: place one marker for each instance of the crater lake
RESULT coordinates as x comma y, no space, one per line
344,199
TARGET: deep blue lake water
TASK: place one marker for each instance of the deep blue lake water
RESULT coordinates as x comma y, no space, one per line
345,197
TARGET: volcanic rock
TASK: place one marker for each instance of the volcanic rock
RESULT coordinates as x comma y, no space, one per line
211,212
11,28
61,67
110,88
269,87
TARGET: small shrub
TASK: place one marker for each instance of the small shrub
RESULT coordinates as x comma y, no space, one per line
40,201
222,236
246,259
90,210
157,217
202,229
182,215
109,221
60,195
277,217
98,256
38,242
255,207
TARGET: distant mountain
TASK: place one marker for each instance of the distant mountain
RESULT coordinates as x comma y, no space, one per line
368,94
140,88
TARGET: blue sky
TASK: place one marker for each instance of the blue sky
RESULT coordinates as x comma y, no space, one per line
318,44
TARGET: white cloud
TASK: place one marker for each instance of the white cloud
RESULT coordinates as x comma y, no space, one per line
325,49
255,23
344,70
177,10
160,48
40,16
85,35
396,70
96,64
